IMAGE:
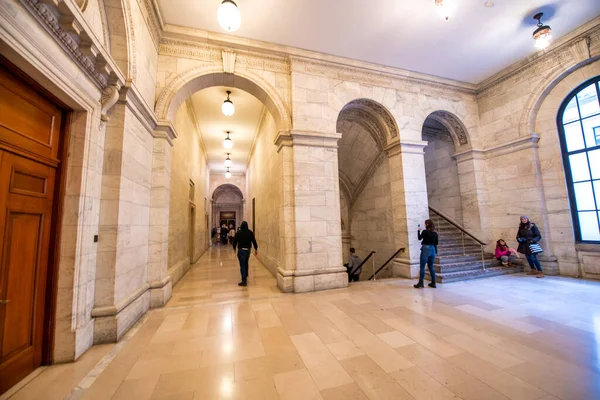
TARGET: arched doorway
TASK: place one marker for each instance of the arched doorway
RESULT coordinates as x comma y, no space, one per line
227,206
364,178
443,133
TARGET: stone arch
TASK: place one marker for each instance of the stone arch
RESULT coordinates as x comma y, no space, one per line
194,79
541,92
453,124
373,117
224,188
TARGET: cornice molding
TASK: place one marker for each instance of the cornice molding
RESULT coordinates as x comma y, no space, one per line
134,100
571,46
527,142
63,20
154,21
165,130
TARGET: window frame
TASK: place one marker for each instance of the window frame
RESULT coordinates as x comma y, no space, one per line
565,155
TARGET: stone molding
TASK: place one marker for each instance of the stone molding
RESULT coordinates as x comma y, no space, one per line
165,130
315,139
408,147
453,125
308,272
154,21
528,142
283,139
159,284
63,20
130,96
113,310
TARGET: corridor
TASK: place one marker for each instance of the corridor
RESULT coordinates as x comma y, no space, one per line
509,337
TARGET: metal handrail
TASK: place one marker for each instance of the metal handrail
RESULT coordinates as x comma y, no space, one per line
364,261
463,232
400,250
457,226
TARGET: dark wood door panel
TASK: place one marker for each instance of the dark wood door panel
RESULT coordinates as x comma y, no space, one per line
28,120
21,268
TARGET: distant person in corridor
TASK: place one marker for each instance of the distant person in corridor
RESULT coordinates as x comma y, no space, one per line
243,242
352,267
429,242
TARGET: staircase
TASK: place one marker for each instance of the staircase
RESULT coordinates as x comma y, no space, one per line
460,255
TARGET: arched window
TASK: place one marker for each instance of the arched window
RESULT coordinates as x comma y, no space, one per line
579,127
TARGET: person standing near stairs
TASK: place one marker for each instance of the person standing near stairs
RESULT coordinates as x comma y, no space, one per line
429,242
528,235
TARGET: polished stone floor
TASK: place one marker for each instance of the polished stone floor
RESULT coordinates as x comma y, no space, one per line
510,337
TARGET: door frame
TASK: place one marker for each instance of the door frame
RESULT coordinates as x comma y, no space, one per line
49,323
192,233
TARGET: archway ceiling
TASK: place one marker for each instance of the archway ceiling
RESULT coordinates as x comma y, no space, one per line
474,44
357,152
212,124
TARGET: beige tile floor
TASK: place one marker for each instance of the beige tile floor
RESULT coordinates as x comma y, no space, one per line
512,337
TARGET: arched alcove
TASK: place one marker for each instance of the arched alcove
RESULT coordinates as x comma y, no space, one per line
227,205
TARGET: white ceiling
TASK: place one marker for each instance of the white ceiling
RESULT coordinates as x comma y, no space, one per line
474,44
213,124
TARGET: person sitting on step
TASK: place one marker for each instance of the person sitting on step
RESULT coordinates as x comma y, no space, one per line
504,254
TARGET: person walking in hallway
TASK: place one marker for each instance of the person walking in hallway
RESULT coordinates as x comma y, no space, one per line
243,242
528,237
429,242
352,267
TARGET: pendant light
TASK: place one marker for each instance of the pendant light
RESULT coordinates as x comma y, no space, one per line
543,34
229,16
227,174
228,107
444,8
228,143
228,161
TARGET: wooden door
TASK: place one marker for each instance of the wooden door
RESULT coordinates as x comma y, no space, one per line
192,232
30,127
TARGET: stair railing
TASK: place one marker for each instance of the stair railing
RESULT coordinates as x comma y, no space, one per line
463,232
374,276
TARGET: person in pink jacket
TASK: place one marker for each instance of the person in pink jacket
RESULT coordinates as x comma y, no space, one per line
503,253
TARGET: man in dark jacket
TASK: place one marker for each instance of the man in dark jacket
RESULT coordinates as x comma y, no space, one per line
352,267
243,241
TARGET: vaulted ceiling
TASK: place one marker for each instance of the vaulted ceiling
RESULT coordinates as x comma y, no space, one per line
476,42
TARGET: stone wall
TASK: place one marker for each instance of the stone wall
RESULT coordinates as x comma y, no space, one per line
188,163
372,227
443,187
265,186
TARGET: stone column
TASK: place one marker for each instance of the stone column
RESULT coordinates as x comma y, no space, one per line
311,213
158,246
409,202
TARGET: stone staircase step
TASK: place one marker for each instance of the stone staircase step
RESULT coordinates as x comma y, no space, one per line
476,274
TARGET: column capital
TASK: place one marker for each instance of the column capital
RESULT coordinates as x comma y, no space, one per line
307,138
413,147
165,130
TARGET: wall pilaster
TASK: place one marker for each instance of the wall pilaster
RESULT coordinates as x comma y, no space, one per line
409,202
311,219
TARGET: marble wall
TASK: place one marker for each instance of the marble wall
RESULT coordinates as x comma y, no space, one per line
441,171
189,163
265,187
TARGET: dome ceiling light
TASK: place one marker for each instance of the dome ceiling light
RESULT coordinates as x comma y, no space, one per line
543,34
227,173
228,143
229,16
228,108
444,8
228,161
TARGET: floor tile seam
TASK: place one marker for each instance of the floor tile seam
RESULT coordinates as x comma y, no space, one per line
101,366
223,302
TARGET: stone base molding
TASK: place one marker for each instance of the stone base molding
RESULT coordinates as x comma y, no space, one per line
112,322
160,292
404,268
302,281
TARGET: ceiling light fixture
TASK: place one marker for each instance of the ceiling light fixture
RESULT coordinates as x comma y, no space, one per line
228,108
228,143
444,8
229,16
543,34
228,161
227,174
